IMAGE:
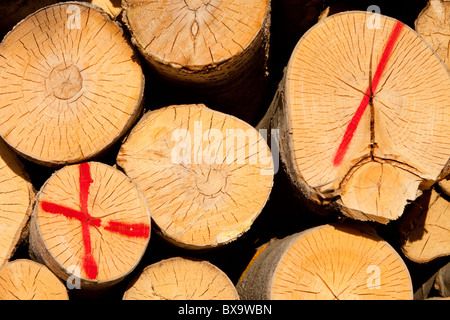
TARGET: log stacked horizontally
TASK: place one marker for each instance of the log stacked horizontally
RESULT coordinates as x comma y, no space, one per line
167,150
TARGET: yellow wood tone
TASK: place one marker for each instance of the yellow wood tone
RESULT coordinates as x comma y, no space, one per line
28,280
112,7
429,238
16,202
59,240
326,80
433,24
194,34
70,84
340,263
444,184
206,175
182,279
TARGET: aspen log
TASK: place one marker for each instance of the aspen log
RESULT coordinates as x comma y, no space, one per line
90,224
337,262
25,279
70,84
216,51
426,228
181,279
206,175
16,203
433,24
363,117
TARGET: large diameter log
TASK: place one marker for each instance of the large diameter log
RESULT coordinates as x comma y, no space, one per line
90,226
329,262
16,203
433,24
24,279
363,116
216,49
206,175
195,280
70,84
425,228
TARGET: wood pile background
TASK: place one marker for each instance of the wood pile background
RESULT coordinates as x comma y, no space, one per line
90,186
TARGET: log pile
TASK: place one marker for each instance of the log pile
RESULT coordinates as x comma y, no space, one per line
171,149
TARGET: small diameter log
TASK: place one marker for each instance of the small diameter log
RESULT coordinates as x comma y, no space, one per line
216,49
363,116
426,228
70,84
337,262
206,175
112,7
181,279
16,202
24,279
433,24
444,185
90,225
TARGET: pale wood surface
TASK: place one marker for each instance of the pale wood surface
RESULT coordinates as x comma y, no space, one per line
215,190
24,279
182,279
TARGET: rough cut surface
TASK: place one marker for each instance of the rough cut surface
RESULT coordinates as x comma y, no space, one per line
195,280
329,262
24,279
206,175
70,84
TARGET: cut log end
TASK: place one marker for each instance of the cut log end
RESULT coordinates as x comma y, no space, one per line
16,202
433,24
28,280
92,222
195,280
425,228
74,84
331,262
351,112
206,175
194,36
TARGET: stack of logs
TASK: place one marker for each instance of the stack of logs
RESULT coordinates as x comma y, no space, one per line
172,150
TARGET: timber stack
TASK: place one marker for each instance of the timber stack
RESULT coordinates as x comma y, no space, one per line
183,149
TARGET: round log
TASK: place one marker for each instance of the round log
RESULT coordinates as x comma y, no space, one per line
215,52
16,202
329,262
24,279
206,175
433,24
70,84
195,280
90,224
425,228
363,117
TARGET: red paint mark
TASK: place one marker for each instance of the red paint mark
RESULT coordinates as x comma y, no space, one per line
136,230
351,128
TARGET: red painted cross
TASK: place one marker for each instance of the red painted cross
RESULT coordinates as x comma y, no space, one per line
351,128
138,230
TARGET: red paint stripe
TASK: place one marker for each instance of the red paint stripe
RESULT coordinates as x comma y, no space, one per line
89,264
136,230
351,128
58,209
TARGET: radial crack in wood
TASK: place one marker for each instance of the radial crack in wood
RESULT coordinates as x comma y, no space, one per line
91,223
329,262
71,84
357,98
206,175
16,203
24,279
181,279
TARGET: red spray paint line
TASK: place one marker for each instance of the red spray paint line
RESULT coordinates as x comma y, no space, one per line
351,128
136,230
